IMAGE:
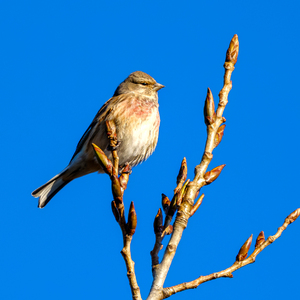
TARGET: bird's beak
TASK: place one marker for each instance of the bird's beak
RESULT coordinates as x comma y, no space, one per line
157,86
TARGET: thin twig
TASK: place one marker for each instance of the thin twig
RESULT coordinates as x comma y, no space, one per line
119,184
126,253
169,291
113,143
169,208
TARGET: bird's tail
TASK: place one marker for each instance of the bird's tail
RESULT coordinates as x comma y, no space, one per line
47,191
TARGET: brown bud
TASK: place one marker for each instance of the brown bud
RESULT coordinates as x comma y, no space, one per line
165,203
124,177
212,175
116,188
158,222
132,220
233,50
219,135
293,216
196,205
181,193
115,211
181,178
209,109
173,206
102,159
260,239
244,249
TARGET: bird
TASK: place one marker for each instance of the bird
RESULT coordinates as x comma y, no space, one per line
134,110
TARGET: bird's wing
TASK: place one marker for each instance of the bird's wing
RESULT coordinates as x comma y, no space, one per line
101,115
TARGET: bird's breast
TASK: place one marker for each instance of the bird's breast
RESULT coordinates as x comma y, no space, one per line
137,123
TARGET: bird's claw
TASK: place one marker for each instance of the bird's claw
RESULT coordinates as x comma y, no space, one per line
113,148
125,169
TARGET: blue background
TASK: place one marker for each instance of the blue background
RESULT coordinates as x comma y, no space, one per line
61,60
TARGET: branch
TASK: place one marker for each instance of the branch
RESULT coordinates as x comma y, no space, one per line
119,185
169,208
213,121
260,245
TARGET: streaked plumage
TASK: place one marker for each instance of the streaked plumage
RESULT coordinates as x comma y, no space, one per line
134,110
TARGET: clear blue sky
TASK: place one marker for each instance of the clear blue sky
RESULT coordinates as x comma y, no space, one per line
61,60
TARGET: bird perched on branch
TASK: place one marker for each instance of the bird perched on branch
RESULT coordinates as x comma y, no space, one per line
134,111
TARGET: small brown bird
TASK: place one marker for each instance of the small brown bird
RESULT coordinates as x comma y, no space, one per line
134,110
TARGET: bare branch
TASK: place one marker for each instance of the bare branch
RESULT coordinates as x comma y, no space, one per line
167,292
169,208
113,143
119,185
126,253
213,121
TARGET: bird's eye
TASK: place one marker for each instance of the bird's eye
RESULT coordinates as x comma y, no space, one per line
144,83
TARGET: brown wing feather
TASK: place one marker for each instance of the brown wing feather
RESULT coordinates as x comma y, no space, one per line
101,115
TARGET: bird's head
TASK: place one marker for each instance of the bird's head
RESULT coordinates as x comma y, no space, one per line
139,82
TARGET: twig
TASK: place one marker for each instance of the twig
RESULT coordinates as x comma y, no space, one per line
158,230
119,185
169,208
113,143
261,244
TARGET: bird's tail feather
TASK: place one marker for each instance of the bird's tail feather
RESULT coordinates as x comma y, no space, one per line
47,191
